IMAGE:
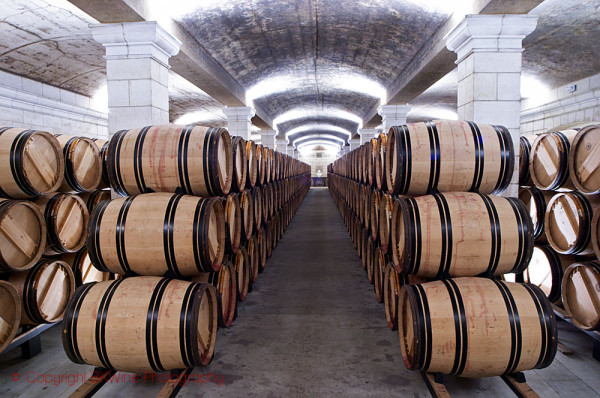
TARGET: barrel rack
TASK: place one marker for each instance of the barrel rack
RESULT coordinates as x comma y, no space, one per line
100,376
29,340
516,382
564,315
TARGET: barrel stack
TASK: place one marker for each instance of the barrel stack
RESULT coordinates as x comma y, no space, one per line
193,226
560,182
422,207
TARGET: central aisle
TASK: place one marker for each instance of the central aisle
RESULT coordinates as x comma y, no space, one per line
312,325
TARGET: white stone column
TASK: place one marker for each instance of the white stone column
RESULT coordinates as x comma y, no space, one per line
239,121
393,115
137,71
281,144
489,51
267,138
354,142
296,154
290,150
367,134
346,149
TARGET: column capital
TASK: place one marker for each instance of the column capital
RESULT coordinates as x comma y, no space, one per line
129,40
239,113
268,133
394,111
490,33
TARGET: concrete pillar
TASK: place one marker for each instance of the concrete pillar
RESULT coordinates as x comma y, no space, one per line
393,115
346,148
489,51
290,150
267,138
354,142
239,120
137,66
281,144
367,134
296,154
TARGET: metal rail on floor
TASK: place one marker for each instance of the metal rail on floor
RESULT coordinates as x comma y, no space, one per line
565,316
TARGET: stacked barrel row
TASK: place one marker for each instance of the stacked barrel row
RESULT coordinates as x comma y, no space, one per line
560,184
45,181
421,207
198,216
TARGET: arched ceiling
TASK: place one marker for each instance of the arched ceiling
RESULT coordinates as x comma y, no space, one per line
305,65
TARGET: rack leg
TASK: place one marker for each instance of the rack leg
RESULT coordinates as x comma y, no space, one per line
519,386
435,384
31,347
596,352
99,377
176,381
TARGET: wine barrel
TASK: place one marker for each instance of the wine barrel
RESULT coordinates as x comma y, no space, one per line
83,164
386,214
240,164
262,165
268,159
595,234
44,291
66,217
32,161
568,222
369,257
584,160
92,199
549,160
254,257
375,203
475,327
461,234
447,155
10,313
141,324
102,146
189,159
379,264
372,156
23,237
155,233
536,201
247,212
261,240
252,168
83,269
545,270
242,266
257,201
581,296
225,282
524,156
233,223
380,173
392,282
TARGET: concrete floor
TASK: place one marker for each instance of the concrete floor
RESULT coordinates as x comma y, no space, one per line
311,327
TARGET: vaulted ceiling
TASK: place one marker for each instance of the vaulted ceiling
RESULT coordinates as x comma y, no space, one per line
316,70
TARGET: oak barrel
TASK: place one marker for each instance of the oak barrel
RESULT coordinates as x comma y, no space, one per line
380,174
247,211
225,282
93,198
379,263
233,223
461,234
525,142
22,235
83,269
240,164
568,222
257,201
536,201
475,327
261,241
392,282
10,313
141,324
102,146
584,160
545,270
386,214
254,256
581,294
32,163
252,168
242,266
83,164
189,159
44,291
156,233
66,217
549,160
447,155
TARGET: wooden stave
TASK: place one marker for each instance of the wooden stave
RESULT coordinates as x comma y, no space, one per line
50,206
574,175
10,313
240,164
402,178
189,296
135,176
587,321
71,182
563,141
156,262
6,205
586,205
18,185
27,283
534,311
514,210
